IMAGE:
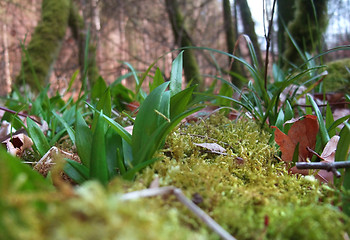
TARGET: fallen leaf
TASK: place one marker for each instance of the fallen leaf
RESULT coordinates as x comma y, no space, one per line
43,166
328,155
129,129
5,129
304,132
212,147
16,144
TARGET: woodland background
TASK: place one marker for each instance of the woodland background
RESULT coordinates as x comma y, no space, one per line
139,32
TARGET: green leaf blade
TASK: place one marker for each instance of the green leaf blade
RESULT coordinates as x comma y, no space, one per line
98,161
83,141
176,75
147,121
38,137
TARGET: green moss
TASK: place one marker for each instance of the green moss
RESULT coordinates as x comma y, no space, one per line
256,199
310,21
240,196
338,79
94,214
45,44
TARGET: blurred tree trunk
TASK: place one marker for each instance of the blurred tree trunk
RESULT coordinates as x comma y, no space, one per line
285,11
306,28
183,39
80,26
45,44
46,41
249,28
231,38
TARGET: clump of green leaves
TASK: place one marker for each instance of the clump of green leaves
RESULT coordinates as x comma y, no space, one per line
107,149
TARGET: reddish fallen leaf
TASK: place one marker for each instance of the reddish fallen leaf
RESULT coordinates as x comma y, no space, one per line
133,106
304,132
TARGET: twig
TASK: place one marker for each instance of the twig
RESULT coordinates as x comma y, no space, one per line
151,192
329,166
19,114
315,153
268,42
321,105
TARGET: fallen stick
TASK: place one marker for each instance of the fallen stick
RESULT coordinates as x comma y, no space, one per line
151,192
329,166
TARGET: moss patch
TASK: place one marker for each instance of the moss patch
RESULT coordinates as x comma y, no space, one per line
338,79
247,191
45,44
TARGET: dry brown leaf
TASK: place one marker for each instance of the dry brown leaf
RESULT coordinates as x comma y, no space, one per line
44,165
17,144
304,132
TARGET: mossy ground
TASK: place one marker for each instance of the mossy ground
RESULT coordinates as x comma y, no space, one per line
252,197
338,79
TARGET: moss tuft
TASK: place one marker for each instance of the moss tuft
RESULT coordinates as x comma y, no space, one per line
252,199
45,44
338,79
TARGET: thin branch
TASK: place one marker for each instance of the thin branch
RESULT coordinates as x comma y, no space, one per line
19,114
315,153
329,166
322,105
268,42
151,192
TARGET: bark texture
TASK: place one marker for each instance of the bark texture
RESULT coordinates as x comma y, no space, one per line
306,28
183,39
44,47
249,27
231,38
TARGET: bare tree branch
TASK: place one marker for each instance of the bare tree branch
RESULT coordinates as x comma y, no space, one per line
329,166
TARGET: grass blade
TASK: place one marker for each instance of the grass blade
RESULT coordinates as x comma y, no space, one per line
83,137
179,101
337,122
329,121
116,126
176,75
76,171
114,153
98,89
323,130
146,121
38,137
98,161
341,154
72,80
66,125
12,169
343,146
157,80
104,105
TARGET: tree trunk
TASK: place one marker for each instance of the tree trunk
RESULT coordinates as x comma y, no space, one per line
307,27
89,23
231,38
285,11
183,39
45,44
249,28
